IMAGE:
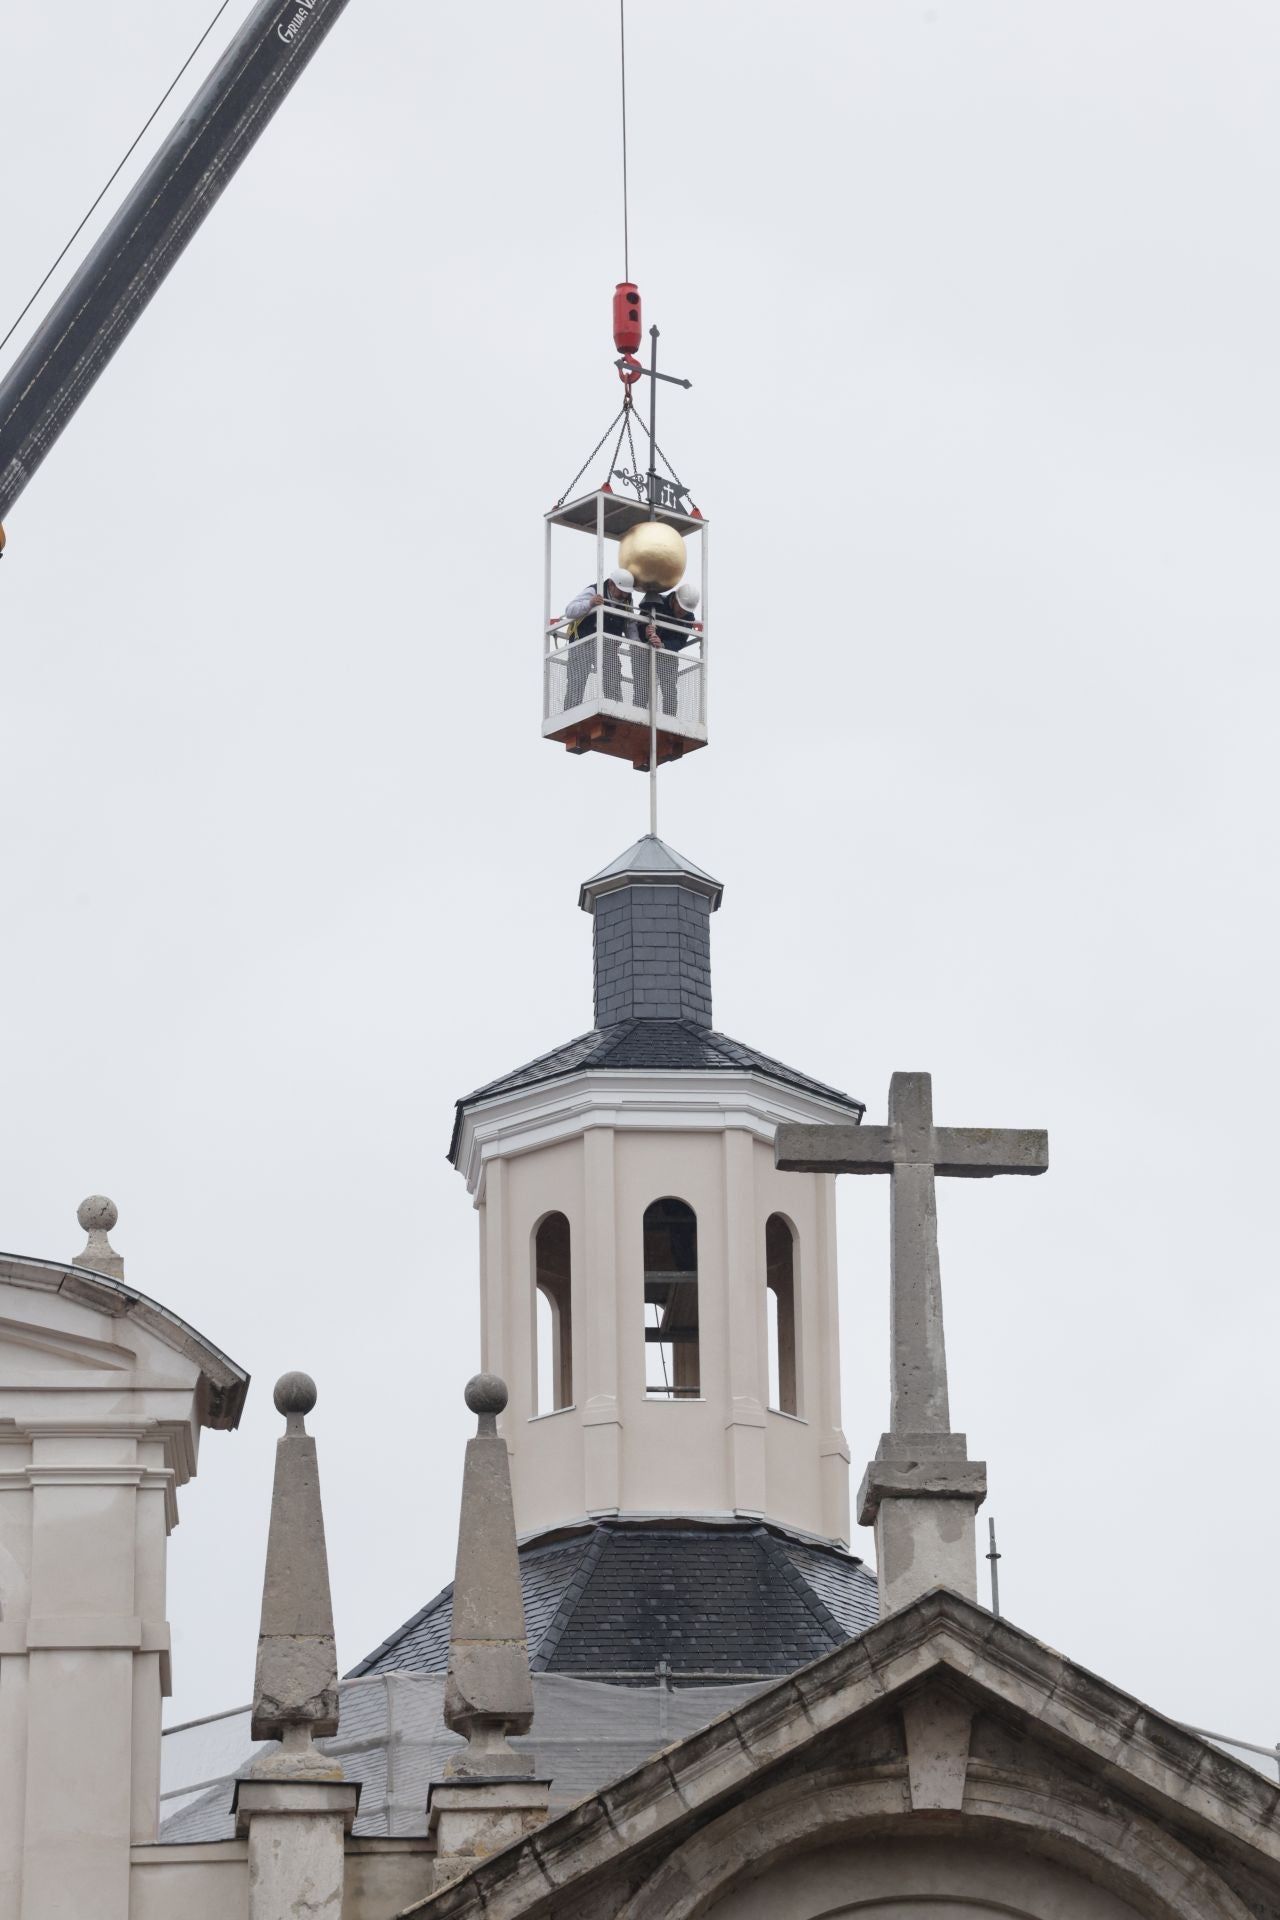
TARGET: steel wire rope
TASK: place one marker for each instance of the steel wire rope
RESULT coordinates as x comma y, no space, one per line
626,225
631,442
116,175
661,455
617,445
594,451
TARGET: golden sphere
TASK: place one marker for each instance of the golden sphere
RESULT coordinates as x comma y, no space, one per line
654,553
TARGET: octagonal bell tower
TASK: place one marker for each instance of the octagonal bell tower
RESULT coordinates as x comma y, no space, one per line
659,1298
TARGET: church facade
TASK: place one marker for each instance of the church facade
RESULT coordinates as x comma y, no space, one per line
661,1684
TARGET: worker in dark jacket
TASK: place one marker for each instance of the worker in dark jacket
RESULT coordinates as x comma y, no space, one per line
669,626
615,619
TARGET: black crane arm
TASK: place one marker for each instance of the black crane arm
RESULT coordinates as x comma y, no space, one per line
74,342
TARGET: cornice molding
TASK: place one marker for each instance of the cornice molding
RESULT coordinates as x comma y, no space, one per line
222,1384
982,1660
629,1101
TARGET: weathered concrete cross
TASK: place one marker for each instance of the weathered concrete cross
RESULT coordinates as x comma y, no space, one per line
921,1492
912,1151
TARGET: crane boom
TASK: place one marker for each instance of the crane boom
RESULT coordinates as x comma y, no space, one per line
109,290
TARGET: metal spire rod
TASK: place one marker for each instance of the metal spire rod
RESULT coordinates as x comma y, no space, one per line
653,422
653,740
993,1556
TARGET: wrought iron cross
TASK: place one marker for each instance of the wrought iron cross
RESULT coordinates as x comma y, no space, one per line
653,376
912,1151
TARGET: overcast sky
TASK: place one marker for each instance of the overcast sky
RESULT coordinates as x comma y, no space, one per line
981,302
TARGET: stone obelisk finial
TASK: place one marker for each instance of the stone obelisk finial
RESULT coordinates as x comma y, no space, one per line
488,1693
97,1215
488,1796
294,1805
295,1693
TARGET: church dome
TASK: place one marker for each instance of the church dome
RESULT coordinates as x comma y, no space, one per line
630,1601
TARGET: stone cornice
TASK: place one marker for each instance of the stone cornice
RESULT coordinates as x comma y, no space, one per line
629,1101
175,1436
222,1383
1134,1749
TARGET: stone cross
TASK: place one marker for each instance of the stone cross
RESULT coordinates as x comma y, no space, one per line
912,1151
920,1462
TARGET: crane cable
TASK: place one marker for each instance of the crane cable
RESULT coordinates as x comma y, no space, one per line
626,236
116,175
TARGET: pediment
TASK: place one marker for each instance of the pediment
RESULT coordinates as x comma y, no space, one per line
32,1352
941,1721
49,1302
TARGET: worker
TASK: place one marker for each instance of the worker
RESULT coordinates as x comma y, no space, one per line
669,627
617,623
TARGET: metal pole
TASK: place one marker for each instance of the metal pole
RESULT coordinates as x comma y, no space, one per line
599,646
546,627
653,422
546,592
705,649
113,285
1225,1740
653,741
993,1557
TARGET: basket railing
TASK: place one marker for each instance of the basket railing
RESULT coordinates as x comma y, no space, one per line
597,669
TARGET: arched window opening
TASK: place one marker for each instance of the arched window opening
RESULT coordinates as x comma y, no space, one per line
671,1300
553,1280
780,1280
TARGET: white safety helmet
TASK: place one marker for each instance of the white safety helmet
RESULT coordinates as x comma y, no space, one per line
688,596
622,579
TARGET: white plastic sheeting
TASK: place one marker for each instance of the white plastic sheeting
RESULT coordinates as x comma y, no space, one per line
202,1754
392,1738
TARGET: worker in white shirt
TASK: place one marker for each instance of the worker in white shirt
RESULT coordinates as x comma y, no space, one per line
669,627
595,615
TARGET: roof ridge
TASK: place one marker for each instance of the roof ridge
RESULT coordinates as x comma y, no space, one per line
394,1639
612,1037
575,1587
526,1553
765,1062
591,1033
777,1557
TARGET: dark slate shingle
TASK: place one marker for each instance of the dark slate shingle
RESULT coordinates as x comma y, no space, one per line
618,1598
650,1045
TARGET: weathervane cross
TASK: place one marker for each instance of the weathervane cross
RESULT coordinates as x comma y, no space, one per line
631,370
913,1151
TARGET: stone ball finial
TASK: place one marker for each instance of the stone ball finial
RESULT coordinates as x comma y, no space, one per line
97,1214
486,1393
295,1393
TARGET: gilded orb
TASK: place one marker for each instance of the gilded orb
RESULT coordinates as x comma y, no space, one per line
654,553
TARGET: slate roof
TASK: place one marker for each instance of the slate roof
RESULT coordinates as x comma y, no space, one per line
649,860
617,1598
651,1046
